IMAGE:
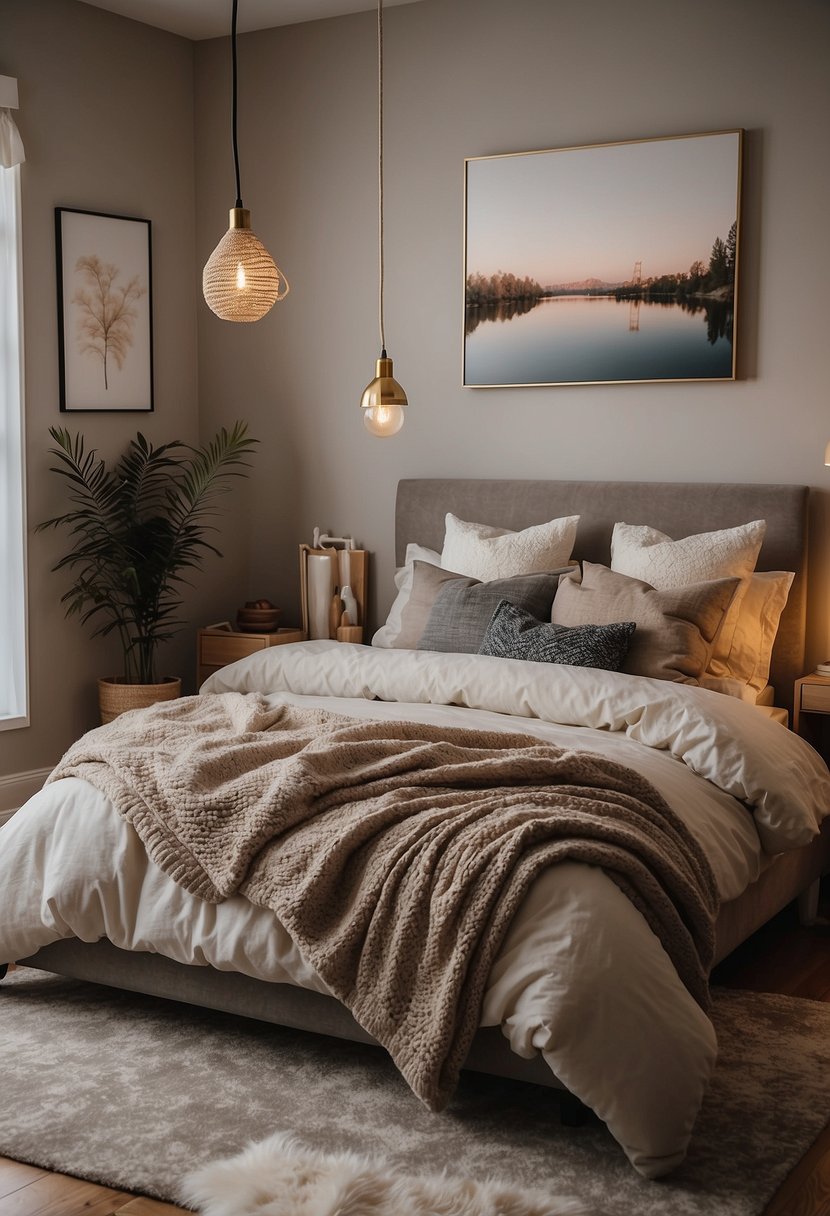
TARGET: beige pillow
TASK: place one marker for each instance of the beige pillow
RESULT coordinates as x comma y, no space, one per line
675,629
749,655
644,553
485,553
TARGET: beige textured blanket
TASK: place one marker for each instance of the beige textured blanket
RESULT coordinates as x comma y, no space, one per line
394,853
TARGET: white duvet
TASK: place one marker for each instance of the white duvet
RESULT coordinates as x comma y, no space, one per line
580,977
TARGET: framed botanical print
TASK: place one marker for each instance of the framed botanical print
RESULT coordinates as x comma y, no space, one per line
105,316
610,263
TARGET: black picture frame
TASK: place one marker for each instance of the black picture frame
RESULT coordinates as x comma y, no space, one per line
105,311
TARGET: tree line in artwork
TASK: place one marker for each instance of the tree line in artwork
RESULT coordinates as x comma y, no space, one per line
482,290
717,279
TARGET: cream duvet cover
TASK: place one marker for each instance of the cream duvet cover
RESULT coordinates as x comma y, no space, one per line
580,977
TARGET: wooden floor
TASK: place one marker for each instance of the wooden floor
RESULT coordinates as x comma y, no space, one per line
783,957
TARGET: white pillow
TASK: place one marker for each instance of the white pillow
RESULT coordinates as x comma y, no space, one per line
387,635
652,556
655,558
486,553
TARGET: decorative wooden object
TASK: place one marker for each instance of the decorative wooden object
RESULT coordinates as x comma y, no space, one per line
323,572
811,711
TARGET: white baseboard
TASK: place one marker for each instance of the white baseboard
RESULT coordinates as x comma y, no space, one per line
15,789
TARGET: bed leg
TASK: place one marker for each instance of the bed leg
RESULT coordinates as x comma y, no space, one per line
572,1112
808,903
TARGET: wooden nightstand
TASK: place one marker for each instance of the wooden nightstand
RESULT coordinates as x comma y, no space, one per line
811,711
216,648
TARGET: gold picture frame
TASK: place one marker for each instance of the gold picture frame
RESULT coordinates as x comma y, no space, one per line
603,264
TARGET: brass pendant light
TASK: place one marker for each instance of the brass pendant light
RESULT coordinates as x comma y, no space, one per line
241,281
383,398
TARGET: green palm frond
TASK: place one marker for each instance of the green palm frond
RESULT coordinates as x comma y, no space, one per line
136,530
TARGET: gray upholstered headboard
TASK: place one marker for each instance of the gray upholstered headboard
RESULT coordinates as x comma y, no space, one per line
677,508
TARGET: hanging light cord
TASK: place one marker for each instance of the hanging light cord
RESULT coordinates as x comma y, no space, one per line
380,178
233,111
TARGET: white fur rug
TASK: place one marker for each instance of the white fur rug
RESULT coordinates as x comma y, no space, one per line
281,1177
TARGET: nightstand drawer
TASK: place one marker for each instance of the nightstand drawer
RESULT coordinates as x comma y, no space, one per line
219,649
815,698
216,648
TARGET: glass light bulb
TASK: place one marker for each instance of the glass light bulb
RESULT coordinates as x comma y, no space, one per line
383,420
240,277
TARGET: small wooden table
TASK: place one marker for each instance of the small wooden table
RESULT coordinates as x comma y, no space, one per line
811,711
216,648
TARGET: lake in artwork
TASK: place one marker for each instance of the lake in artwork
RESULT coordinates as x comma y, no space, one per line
579,339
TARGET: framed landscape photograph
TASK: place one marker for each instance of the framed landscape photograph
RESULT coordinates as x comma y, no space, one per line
606,264
105,316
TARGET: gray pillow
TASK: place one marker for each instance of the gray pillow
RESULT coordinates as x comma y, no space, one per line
460,608
515,634
675,629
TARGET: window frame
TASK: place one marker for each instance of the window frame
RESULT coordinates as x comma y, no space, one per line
14,679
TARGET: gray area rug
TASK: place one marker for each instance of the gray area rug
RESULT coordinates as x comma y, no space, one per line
136,1092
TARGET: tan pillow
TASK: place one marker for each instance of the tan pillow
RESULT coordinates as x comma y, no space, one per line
675,629
643,552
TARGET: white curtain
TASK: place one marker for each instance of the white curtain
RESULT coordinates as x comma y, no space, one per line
11,145
13,656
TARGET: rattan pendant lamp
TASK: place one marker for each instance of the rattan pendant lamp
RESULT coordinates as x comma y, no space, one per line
383,398
241,281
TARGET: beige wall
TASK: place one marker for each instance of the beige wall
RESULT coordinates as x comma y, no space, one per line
107,112
471,77
107,119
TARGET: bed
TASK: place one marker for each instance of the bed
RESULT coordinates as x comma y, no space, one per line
105,912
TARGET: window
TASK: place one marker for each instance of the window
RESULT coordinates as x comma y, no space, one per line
14,701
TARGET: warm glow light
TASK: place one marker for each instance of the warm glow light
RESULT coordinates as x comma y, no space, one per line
827,454
383,398
240,281
383,420
383,401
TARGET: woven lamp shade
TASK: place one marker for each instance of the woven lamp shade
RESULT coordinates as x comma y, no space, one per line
240,281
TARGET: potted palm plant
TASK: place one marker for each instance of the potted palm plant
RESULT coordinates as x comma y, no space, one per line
136,531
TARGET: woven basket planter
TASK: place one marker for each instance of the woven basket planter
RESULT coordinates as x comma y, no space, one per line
115,697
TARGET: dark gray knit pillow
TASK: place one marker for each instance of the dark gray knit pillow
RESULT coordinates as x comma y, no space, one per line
515,634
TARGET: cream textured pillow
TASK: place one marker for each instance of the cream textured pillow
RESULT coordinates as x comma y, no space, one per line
388,634
486,553
675,629
644,553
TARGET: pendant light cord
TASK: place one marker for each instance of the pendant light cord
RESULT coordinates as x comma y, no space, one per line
233,104
380,178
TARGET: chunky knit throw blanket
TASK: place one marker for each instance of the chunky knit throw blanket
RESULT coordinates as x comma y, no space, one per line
394,853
